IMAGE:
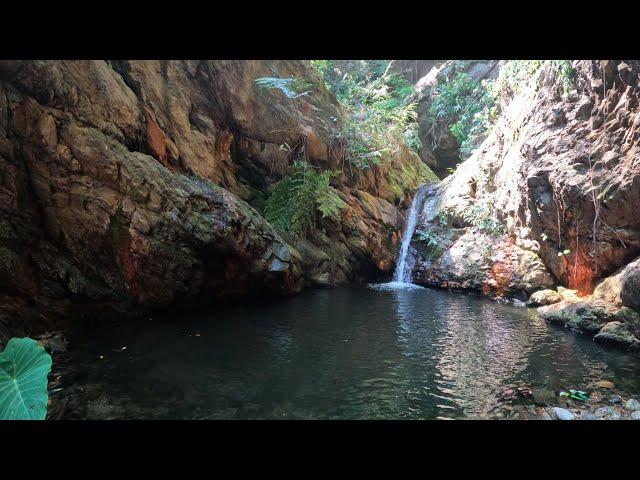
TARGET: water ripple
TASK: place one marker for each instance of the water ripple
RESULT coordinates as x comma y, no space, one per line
388,351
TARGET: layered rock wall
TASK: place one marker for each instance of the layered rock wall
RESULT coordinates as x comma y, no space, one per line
130,185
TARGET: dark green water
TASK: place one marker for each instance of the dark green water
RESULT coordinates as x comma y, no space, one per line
347,353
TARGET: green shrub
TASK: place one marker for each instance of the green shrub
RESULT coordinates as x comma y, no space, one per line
297,198
467,106
432,242
24,366
430,238
379,120
479,215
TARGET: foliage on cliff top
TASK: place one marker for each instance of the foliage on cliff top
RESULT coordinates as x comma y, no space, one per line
470,107
379,120
467,106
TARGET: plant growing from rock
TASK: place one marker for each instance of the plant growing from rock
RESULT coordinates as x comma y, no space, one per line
379,119
432,242
297,198
467,106
479,216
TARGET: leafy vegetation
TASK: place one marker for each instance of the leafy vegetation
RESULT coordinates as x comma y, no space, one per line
297,198
24,366
432,241
469,107
378,125
516,73
480,216
379,119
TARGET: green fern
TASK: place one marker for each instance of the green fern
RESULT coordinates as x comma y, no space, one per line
430,238
291,87
278,209
295,200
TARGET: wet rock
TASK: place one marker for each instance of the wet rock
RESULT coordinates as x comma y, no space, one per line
544,297
583,108
611,323
563,414
114,200
630,288
607,413
469,259
602,314
620,334
584,315
632,405
604,384
53,343
616,399
544,396
635,415
534,175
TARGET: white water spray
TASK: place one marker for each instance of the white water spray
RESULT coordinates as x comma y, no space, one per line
402,273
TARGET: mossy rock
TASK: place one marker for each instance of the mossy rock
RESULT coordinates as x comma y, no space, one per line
620,334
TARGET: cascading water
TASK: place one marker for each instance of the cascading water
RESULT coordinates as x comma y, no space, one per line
402,273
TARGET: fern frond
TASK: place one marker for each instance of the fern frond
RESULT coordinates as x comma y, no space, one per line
291,87
294,201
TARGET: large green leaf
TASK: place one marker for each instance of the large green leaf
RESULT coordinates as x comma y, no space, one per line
24,366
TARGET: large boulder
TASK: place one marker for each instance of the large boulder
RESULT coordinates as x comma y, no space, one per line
560,172
630,290
602,314
619,334
451,253
544,297
85,218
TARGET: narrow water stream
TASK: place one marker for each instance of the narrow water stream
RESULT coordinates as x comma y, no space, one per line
347,353
402,273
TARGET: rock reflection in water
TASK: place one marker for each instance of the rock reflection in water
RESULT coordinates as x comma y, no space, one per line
353,353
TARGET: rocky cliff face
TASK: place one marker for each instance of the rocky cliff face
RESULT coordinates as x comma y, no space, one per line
549,198
129,185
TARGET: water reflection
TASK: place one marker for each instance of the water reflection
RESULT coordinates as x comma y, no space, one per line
343,353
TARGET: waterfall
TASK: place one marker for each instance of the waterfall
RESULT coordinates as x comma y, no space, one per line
402,273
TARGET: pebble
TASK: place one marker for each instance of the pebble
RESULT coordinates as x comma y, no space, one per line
608,413
590,416
632,405
635,415
544,397
563,413
616,399
605,384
